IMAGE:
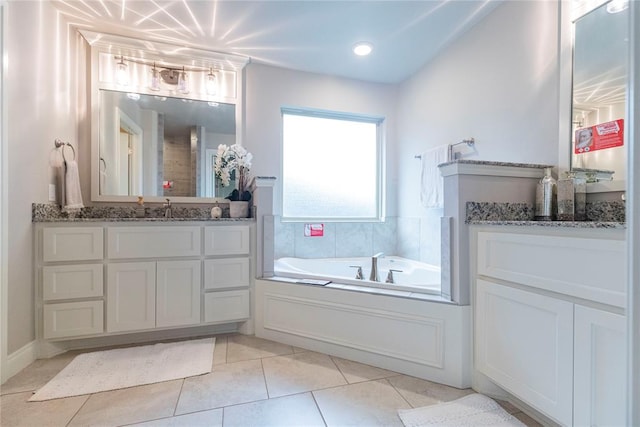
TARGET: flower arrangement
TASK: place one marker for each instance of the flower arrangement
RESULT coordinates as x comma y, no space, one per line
230,159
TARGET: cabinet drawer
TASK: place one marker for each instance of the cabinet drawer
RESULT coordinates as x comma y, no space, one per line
153,242
72,281
226,240
568,265
226,273
72,243
73,319
226,306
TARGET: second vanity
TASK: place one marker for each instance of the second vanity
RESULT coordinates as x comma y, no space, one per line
549,323
102,278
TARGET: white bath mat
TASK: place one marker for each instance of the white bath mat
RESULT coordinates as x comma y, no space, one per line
127,367
472,410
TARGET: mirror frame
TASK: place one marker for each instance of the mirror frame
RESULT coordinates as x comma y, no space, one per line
103,47
568,16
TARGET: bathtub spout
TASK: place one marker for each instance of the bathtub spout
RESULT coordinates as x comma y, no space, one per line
374,267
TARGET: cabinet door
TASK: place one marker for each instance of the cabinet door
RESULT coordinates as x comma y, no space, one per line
524,343
131,296
178,293
226,273
600,368
226,240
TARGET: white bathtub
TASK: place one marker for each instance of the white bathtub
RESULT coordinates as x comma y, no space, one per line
414,276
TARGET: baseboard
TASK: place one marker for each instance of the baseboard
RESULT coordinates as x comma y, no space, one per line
20,359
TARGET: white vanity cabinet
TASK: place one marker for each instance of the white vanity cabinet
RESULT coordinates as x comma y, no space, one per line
549,324
113,278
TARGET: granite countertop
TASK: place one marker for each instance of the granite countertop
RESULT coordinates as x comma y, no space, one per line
558,224
41,212
599,215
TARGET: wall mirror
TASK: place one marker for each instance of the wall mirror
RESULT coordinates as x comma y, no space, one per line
158,113
600,57
161,146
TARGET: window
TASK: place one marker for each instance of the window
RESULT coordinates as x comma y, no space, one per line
331,166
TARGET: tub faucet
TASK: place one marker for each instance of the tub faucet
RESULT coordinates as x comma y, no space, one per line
167,209
374,267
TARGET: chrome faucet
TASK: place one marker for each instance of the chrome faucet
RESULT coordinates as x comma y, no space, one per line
390,275
374,267
359,275
167,209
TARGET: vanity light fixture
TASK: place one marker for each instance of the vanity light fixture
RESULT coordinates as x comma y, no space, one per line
155,78
362,48
122,75
170,75
183,82
212,83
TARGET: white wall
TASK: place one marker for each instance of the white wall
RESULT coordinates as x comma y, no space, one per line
41,101
498,83
269,88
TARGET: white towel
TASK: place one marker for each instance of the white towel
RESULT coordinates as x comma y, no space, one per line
72,202
431,184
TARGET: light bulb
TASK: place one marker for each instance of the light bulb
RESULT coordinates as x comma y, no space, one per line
183,82
155,79
212,83
122,74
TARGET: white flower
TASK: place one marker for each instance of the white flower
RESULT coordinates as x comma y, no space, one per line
229,159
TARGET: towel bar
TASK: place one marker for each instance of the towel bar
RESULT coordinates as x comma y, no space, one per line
58,143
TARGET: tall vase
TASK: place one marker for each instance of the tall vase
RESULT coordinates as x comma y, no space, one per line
238,209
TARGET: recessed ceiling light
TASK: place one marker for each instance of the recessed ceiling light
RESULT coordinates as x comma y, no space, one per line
362,48
616,6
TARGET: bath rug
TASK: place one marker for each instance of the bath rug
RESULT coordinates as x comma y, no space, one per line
472,410
128,367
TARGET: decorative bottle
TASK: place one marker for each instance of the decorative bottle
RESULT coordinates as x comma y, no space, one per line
545,197
566,198
580,185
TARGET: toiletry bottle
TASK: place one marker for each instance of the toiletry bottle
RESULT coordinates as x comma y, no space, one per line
580,203
545,197
566,197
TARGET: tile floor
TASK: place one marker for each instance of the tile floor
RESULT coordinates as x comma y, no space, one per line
254,382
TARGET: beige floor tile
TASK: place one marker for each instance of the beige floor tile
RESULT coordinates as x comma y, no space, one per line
420,392
229,384
371,403
16,411
300,372
294,411
246,347
129,405
37,374
220,351
212,418
356,372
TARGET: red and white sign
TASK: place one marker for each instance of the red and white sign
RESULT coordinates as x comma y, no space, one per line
599,137
314,230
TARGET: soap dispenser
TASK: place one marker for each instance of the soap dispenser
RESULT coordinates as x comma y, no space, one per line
140,210
545,197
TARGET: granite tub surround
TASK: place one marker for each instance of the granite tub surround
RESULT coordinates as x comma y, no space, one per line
599,215
42,212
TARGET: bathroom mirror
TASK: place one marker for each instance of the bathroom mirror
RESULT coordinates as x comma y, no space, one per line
159,146
600,56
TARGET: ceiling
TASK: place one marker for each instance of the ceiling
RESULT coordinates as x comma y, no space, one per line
312,35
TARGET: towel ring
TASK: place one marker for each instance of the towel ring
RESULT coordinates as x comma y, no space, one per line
58,143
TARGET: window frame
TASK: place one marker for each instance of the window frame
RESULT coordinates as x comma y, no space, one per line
379,122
